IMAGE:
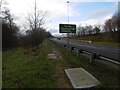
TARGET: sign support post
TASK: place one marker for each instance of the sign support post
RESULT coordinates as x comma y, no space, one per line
67,28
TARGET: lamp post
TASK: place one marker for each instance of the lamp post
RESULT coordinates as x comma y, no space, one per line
68,32
68,9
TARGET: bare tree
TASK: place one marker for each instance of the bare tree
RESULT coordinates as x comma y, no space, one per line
3,8
36,33
89,29
9,31
36,19
2,3
96,30
81,30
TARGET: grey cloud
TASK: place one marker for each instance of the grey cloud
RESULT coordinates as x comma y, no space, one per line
100,13
54,31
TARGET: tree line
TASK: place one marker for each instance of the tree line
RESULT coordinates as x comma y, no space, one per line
110,25
109,30
11,35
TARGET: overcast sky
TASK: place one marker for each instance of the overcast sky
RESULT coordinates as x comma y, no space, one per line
84,12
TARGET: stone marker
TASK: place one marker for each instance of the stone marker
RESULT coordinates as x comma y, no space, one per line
80,78
52,57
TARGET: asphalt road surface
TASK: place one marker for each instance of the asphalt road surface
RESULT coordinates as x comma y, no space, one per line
102,50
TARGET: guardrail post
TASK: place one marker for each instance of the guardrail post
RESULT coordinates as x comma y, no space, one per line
65,46
93,56
78,53
97,56
71,48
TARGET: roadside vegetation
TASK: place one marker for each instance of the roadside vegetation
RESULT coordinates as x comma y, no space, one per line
33,69
28,69
99,39
106,34
34,33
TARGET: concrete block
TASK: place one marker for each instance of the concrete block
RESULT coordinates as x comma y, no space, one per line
80,78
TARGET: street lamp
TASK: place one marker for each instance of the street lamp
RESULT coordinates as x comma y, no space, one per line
68,32
68,9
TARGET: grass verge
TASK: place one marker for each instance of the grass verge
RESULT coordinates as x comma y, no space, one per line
27,70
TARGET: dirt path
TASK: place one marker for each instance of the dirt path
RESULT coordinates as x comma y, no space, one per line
60,75
62,81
